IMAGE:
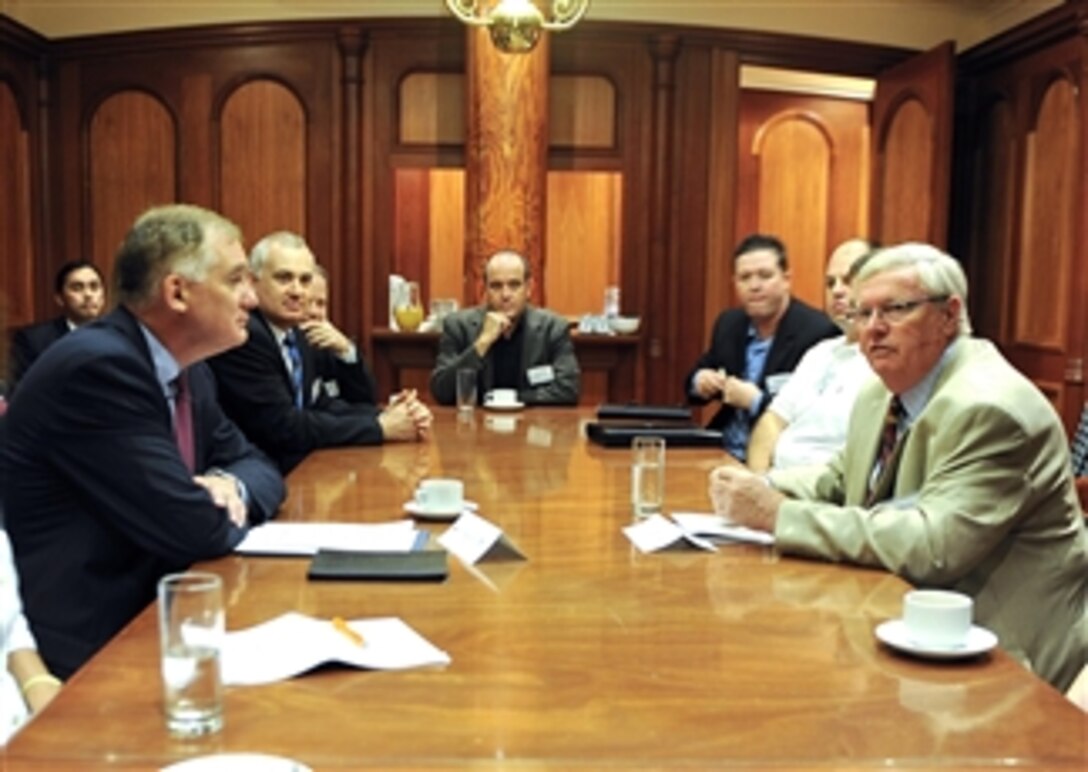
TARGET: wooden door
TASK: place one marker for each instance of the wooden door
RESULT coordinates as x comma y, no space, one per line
803,173
912,149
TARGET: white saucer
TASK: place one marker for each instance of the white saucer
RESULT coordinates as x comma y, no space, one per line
238,762
894,633
504,407
425,513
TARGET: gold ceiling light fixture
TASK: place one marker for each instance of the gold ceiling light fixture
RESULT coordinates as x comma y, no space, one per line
515,25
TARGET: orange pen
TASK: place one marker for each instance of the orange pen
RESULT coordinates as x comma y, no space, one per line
342,628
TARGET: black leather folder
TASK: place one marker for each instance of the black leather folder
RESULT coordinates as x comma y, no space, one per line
645,412
420,565
620,435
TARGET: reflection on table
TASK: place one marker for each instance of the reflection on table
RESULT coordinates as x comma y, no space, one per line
588,655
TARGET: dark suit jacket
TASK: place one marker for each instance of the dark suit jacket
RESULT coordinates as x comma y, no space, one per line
546,342
97,501
800,328
255,390
28,343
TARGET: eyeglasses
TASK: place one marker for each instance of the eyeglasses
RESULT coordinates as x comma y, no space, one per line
892,313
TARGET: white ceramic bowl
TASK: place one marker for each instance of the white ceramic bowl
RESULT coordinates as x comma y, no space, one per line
624,325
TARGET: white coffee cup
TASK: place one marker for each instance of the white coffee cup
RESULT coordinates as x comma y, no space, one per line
501,397
939,618
440,494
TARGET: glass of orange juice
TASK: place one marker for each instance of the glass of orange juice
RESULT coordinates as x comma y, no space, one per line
409,311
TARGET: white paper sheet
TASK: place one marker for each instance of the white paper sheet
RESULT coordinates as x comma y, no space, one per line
293,643
308,538
717,527
656,533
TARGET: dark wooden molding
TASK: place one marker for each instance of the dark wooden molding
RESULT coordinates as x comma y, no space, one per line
20,39
1067,20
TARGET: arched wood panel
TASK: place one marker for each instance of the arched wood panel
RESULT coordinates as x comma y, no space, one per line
793,155
912,149
131,156
907,169
16,242
992,219
262,159
803,163
1049,197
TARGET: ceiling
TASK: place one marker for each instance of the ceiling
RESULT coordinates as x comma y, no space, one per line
908,23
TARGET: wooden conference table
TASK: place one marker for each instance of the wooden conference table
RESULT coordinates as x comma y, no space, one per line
589,655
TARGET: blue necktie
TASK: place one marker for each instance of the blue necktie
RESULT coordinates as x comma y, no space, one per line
290,344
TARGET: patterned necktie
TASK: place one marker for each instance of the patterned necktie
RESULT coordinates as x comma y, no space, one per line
888,437
290,345
183,421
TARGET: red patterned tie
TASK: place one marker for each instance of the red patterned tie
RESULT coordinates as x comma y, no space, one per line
888,436
183,421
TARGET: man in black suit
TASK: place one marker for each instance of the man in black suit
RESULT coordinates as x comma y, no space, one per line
272,386
79,291
120,465
753,349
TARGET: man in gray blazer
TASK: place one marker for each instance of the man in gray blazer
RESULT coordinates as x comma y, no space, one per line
975,493
509,343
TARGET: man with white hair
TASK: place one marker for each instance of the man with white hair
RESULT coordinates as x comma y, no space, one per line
272,385
121,467
955,473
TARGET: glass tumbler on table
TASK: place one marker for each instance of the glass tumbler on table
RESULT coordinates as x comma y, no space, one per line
191,630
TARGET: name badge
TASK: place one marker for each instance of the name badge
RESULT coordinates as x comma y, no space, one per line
540,375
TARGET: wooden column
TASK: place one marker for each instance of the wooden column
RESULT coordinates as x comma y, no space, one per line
506,156
349,273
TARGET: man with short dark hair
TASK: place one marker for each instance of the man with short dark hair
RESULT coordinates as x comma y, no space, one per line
509,342
955,472
78,289
753,349
120,465
272,385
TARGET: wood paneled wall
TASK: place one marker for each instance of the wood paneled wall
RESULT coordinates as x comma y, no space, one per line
804,176
300,126
1024,119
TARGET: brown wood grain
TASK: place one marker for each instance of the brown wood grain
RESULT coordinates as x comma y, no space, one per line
587,655
132,165
262,172
16,242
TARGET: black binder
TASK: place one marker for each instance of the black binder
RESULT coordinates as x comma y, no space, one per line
419,565
620,435
645,412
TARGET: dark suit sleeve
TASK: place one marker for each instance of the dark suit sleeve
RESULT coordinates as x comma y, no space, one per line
222,445
119,452
724,345
255,395
558,351
27,345
456,351
354,379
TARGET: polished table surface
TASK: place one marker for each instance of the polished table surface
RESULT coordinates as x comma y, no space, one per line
588,655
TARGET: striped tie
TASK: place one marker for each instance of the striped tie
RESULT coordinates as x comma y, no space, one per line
290,345
889,437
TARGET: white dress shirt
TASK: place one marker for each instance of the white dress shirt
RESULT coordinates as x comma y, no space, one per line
816,403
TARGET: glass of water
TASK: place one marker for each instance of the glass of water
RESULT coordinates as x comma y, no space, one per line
647,476
191,629
466,390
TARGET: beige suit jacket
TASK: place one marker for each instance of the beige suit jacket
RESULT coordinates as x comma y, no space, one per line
983,502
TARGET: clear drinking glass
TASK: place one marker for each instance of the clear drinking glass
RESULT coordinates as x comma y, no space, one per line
647,476
191,629
466,390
